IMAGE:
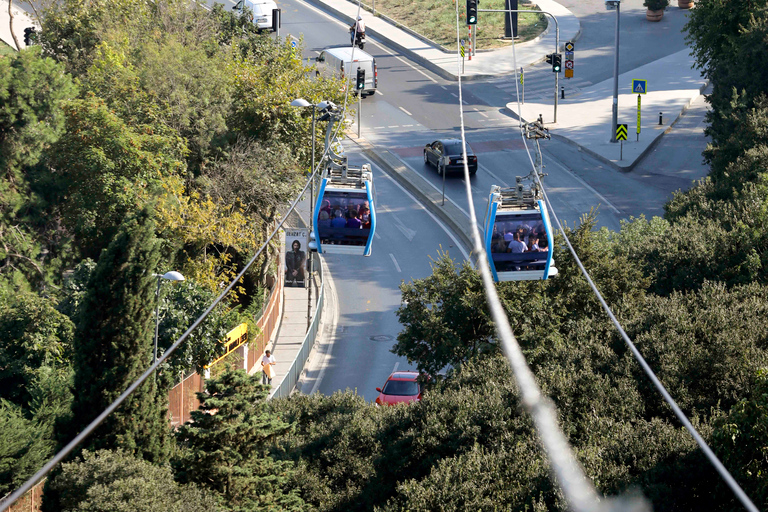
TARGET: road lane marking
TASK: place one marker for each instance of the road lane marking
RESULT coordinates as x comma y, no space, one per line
395,262
454,95
379,92
432,215
481,113
486,170
401,108
396,126
444,87
587,186
395,368
376,235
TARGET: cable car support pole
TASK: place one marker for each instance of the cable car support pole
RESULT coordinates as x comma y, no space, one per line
557,41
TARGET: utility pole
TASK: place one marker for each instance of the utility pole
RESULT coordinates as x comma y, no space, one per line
615,106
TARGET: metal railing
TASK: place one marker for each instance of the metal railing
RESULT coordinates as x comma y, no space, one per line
297,366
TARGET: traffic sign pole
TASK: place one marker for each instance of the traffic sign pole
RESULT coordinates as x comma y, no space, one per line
638,117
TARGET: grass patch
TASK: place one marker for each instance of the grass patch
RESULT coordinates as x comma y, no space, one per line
6,49
439,24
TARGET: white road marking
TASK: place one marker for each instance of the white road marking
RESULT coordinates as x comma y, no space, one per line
401,108
379,92
395,126
454,95
378,127
486,170
444,87
376,235
408,64
395,262
409,125
588,187
395,368
481,113
434,218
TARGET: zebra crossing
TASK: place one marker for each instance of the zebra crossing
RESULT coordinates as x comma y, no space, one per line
539,84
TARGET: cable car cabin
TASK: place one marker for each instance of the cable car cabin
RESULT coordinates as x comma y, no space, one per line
518,235
345,216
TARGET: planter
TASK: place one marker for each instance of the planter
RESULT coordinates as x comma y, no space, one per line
654,15
685,4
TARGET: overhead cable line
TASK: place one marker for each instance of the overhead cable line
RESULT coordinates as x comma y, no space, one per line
579,491
713,459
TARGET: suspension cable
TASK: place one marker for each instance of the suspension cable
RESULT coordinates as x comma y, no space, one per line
578,490
713,459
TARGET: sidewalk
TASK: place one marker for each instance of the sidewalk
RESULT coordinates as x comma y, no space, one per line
485,64
585,120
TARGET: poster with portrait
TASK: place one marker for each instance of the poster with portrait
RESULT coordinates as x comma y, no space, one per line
296,241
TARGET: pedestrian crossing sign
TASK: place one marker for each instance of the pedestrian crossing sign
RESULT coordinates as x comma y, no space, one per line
639,86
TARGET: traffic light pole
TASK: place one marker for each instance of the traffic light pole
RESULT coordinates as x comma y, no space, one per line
557,40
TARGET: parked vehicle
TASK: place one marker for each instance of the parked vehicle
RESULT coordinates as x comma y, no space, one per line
260,12
446,155
341,63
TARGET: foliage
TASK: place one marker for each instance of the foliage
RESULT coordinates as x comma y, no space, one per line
740,439
36,338
24,448
111,170
113,347
224,447
106,481
444,316
656,5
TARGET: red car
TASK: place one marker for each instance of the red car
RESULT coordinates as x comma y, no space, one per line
401,387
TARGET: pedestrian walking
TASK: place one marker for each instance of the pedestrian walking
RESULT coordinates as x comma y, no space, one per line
267,368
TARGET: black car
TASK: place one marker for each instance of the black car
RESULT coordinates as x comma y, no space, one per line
446,155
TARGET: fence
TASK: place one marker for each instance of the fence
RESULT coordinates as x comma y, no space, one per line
297,366
182,399
31,501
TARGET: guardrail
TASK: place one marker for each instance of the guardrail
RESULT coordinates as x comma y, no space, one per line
297,366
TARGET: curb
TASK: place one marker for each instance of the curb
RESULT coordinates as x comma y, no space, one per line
414,183
641,156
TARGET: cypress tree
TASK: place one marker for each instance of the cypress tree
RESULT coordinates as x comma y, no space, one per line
224,447
114,344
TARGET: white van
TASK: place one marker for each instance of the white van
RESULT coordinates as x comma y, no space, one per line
261,11
338,62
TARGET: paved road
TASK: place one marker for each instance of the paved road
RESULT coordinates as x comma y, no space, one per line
368,292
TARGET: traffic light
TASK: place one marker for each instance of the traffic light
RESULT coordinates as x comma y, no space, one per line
557,62
471,12
360,79
550,58
29,32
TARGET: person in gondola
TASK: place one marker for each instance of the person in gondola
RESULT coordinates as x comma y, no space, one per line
324,219
353,222
338,220
295,260
517,245
533,244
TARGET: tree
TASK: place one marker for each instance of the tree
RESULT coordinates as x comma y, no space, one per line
225,446
113,346
24,448
35,337
445,317
107,481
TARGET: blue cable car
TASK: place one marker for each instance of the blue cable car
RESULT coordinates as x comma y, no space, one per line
518,235
345,214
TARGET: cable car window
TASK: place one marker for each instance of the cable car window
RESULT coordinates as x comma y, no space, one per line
519,242
344,218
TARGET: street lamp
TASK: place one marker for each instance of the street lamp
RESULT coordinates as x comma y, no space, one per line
170,276
301,102
615,4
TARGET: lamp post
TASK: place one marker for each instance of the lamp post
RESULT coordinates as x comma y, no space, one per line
170,276
615,4
301,102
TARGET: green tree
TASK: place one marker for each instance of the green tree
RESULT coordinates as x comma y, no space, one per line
24,449
35,337
116,481
225,446
110,169
444,316
113,347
